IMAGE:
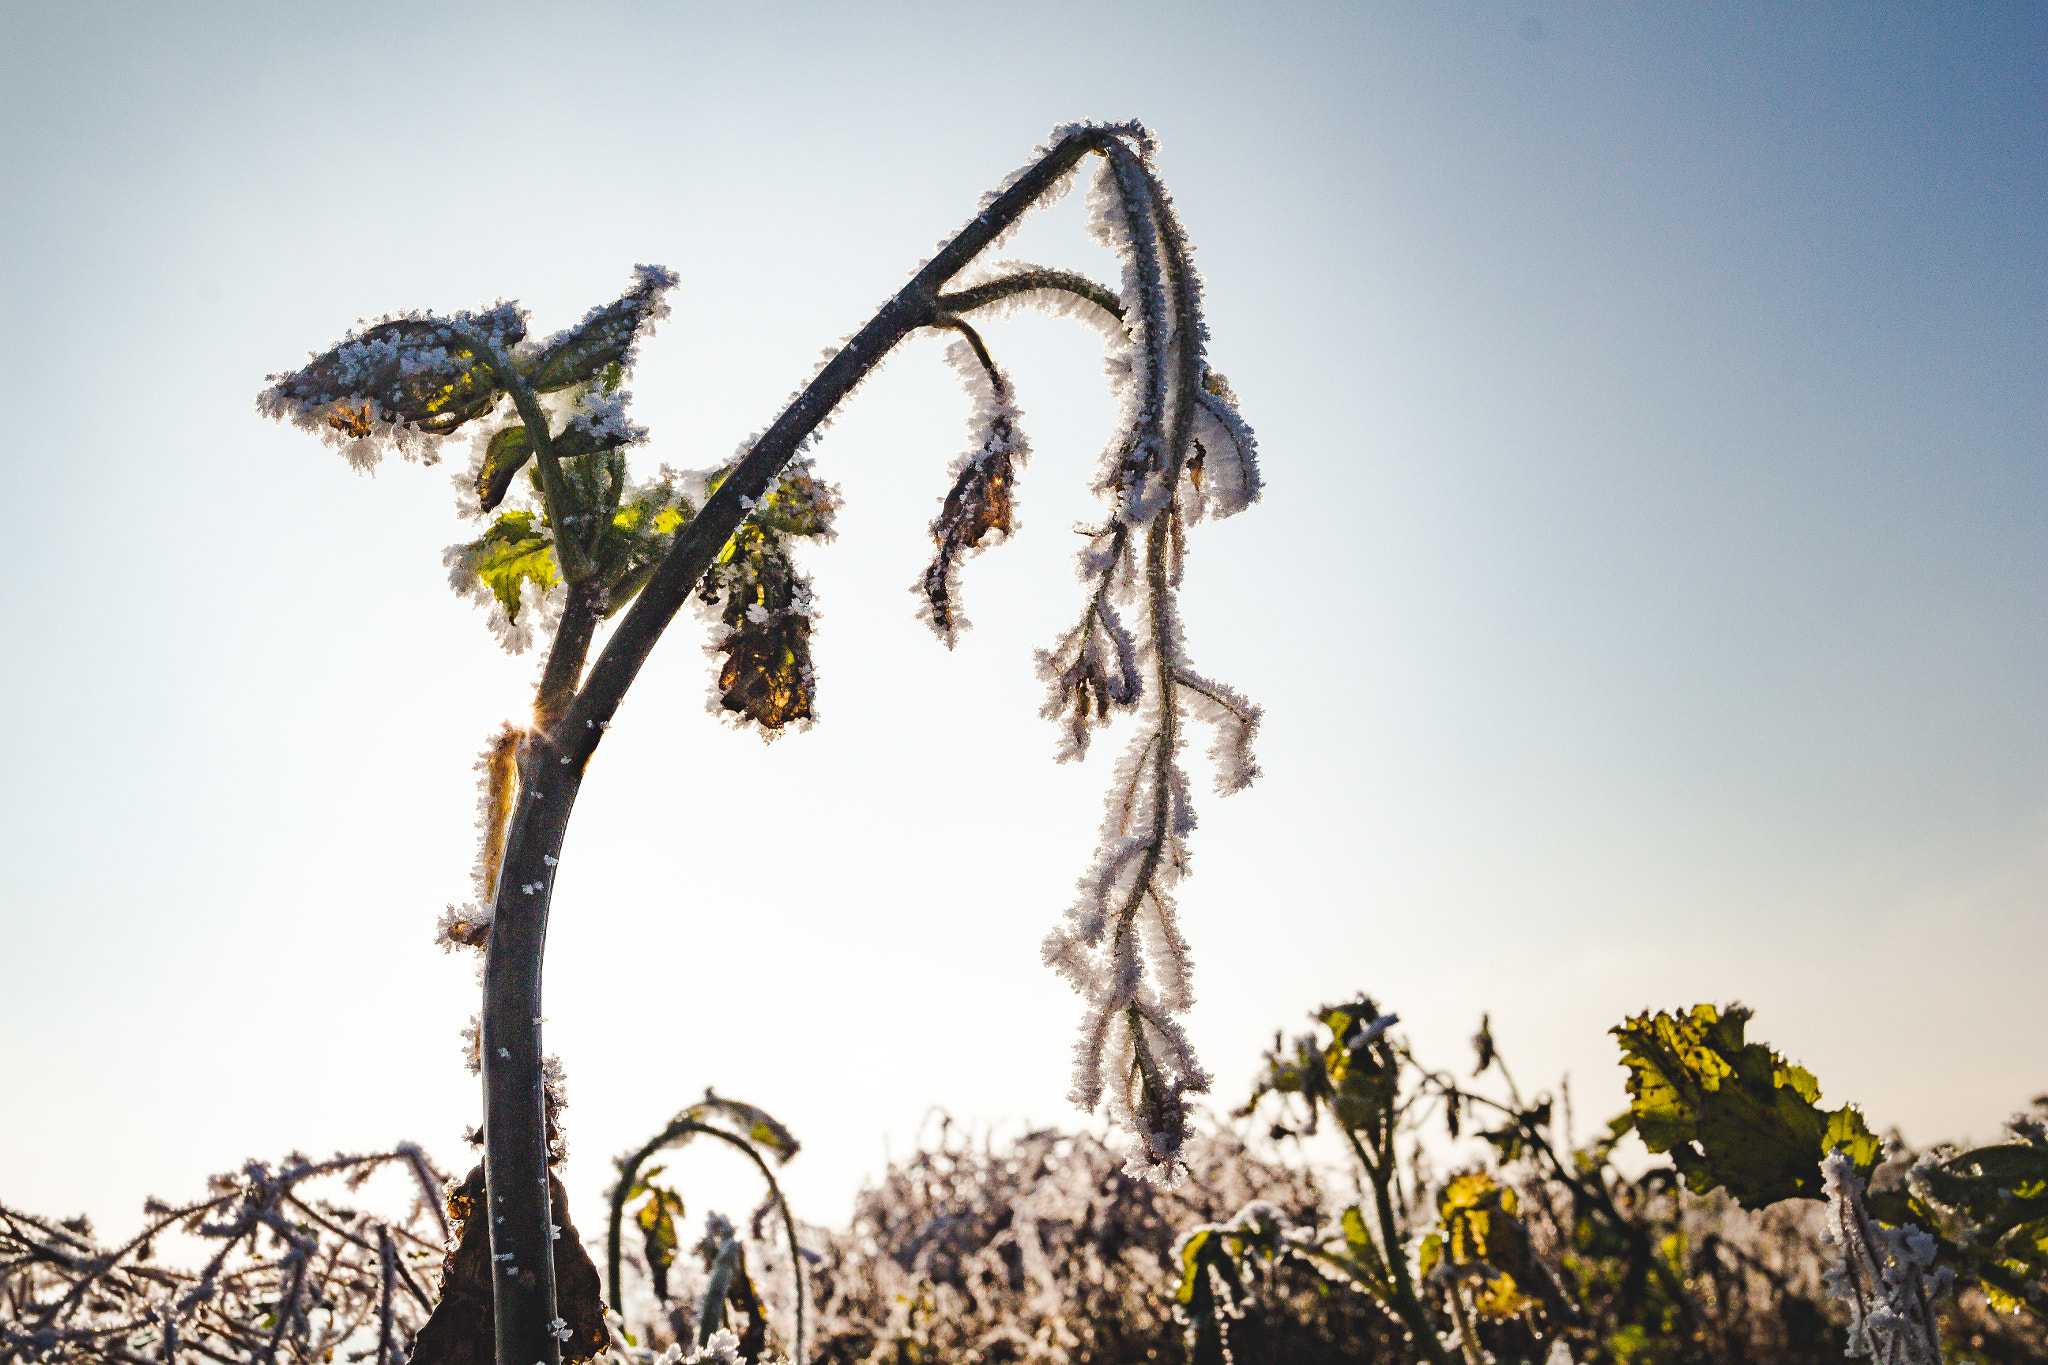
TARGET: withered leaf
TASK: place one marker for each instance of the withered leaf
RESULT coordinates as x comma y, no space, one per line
981,501
459,1331
657,1220
579,1293
744,1307
767,673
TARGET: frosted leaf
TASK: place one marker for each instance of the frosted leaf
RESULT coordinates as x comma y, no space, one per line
766,608
400,384
463,926
599,421
982,502
608,336
511,573
1225,468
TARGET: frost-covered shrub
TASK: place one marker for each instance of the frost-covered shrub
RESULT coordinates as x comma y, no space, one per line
291,1266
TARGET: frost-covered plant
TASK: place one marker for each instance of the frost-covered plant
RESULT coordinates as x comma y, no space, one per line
723,1348
1886,1275
291,1272
1538,1241
1040,1249
570,539
1987,1208
729,1289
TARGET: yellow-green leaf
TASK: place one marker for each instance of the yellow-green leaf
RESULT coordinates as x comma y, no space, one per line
1732,1113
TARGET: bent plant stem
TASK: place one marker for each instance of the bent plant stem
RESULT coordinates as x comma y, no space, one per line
1395,1252
552,763
629,1171
1591,1192
1468,1341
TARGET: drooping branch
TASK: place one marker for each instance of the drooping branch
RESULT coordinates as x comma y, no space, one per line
1030,281
1121,948
914,306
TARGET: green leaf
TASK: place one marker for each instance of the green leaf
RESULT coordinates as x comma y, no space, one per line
757,1126
2001,1196
633,543
1371,1267
1506,1142
657,1219
507,454
512,552
1483,1239
1215,1264
1847,1131
798,505
1355,1075
1731,1113
1197,1249
1430,1254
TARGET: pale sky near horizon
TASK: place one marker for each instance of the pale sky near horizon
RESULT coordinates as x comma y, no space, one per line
1647,601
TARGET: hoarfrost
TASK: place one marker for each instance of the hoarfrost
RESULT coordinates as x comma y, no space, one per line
1179,454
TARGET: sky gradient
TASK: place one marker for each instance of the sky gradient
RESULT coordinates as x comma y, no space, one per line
1649,601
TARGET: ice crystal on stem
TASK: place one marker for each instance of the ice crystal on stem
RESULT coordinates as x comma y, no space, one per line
1887,1276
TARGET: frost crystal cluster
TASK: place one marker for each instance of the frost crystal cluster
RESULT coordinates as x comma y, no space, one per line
1886,1275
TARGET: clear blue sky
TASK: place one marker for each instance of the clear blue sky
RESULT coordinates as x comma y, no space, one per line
1648,601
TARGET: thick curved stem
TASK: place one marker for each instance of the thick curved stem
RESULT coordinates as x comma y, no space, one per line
515,1136
580,617
522,1224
